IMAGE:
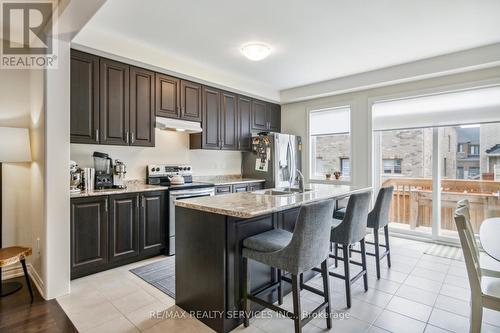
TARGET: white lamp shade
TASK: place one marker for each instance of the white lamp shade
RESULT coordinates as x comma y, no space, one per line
14,145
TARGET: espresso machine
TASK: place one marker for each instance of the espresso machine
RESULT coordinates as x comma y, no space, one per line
103,172
119,171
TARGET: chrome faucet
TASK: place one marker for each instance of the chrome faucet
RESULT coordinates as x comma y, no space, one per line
301,181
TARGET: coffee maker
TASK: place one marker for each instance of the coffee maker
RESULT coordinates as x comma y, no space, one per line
119,171
103,172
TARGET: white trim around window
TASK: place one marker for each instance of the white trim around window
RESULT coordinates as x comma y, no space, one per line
308,149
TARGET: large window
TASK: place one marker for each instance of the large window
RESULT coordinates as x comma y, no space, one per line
437,150
330,143
471,176
406,163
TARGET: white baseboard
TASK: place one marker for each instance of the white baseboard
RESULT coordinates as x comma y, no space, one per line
37,280
14,271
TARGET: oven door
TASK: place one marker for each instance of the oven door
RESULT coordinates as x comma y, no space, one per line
179,195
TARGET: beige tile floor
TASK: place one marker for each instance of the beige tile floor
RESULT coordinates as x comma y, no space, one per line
420,293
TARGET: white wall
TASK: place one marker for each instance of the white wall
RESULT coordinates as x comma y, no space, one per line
294,121
21,96
171,148
56,260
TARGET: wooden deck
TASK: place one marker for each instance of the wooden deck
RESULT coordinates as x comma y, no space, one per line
412,201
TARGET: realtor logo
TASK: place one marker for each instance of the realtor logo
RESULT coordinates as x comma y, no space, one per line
27,34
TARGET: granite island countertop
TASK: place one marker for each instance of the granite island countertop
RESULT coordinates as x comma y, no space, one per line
251,204
132,187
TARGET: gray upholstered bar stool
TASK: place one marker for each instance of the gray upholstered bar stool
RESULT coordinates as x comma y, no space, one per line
295,253
347,232
379,218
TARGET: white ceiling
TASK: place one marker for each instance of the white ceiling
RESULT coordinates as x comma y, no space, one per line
312,41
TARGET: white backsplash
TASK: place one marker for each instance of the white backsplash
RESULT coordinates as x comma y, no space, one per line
171,148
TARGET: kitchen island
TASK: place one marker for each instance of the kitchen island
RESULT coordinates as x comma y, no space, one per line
210,232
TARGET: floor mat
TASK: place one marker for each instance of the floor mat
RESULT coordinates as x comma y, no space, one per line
160,274
445,251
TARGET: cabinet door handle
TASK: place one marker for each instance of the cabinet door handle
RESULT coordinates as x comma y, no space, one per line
127,137
137,202
106,205
132,135
143,202
97,135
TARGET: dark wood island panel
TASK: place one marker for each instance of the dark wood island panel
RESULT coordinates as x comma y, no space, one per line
208,263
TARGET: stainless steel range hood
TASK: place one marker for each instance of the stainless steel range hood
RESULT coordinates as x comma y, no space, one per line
178,125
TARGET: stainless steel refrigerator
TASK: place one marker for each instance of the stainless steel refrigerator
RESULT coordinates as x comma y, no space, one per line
275,157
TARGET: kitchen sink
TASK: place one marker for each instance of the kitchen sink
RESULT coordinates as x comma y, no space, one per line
273,192
281,191
295,190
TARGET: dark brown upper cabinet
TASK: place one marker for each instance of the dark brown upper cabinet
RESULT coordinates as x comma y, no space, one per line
259,115
115,103
123,226
229,122
111,102
266,116
244,123
273,112
114,106
167,96
142,111
84,98
191,101
211,118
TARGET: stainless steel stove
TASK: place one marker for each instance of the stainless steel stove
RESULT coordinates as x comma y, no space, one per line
162,175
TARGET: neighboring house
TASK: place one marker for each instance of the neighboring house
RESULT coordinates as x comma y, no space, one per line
493,158
466,152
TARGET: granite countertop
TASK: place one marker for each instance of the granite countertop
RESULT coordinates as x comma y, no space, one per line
227,180
132,187
251,204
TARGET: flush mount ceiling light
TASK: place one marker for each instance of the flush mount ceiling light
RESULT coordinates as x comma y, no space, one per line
256,51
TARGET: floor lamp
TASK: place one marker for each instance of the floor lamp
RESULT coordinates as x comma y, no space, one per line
14,147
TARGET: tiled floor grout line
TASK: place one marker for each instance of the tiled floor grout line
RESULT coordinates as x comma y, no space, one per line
417,259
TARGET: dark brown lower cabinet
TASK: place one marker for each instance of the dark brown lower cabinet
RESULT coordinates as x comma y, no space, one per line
89,235
255,186
153,222
110,231
222,189
240,187
123,226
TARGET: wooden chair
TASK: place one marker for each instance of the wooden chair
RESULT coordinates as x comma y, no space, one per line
485,290
12,255
475,248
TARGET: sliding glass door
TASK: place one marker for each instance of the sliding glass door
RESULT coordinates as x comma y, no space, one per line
405,162
469,154
437,150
